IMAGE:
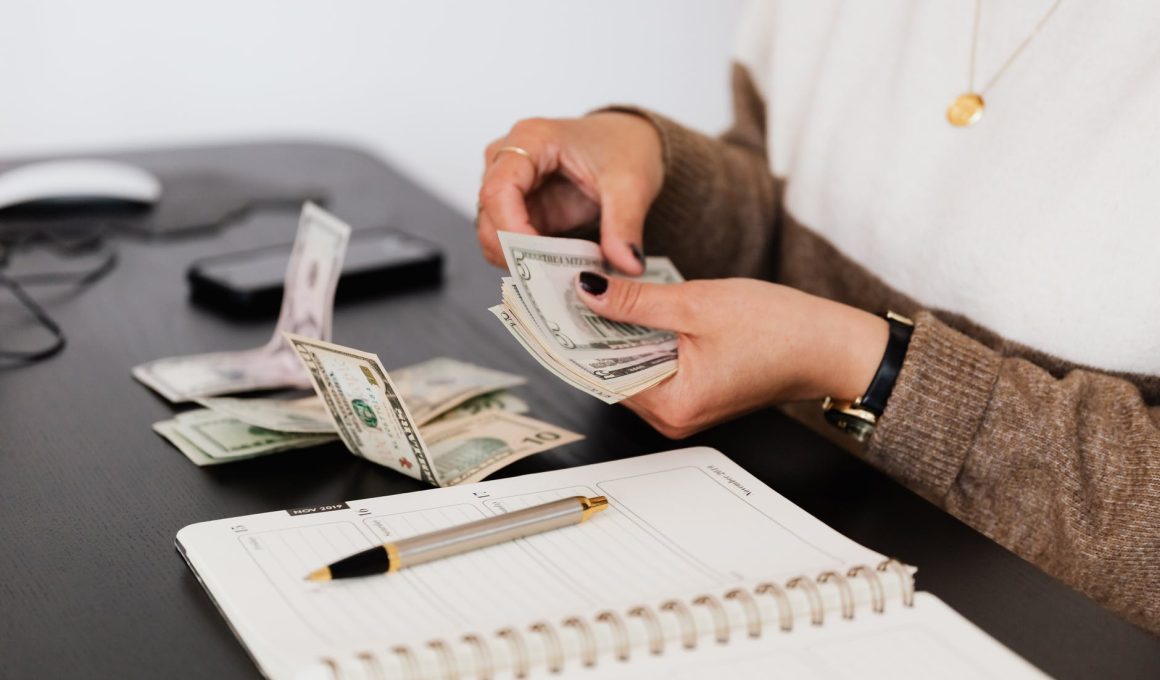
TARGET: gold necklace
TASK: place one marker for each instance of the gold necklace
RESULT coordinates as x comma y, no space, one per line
967,108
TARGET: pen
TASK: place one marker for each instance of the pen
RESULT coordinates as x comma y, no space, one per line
481,533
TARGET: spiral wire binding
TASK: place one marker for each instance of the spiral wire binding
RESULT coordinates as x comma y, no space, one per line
619,632
519,650
877,592
483,666
685,620
903,577
784,608
656,636
720,618
587,640
844,592
371,661
408,659
446,659
813,594
752,613
552,640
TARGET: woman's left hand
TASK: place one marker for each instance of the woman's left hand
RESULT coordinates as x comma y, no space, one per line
743,344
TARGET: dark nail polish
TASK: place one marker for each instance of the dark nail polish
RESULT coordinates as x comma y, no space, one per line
593,283
636,252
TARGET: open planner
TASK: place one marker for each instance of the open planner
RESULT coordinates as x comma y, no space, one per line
696,567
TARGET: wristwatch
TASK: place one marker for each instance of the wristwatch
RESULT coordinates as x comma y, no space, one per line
859,417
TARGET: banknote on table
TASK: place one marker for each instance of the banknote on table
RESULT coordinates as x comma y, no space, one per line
374,422
210,438
468,449
307,304
309,414
365,406
608,359
434,387
494,401
305,415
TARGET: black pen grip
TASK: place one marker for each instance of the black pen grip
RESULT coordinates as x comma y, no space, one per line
366,563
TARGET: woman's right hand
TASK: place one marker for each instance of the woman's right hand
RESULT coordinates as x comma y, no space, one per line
608,165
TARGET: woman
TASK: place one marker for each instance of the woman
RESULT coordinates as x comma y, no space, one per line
988,170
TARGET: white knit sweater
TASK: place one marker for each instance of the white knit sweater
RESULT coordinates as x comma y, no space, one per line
1040,222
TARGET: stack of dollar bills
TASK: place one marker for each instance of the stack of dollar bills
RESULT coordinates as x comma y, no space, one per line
607,359
442,421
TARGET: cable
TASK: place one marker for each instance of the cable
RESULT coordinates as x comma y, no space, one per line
87,241
78,279
32,356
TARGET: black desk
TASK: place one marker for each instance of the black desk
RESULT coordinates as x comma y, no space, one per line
92,498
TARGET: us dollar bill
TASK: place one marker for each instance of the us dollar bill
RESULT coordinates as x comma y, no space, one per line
546,360
608,359
434,387
467,450
365,406
494,401
305,415
544,269
209,438
307,305
309,414
216,435
373,421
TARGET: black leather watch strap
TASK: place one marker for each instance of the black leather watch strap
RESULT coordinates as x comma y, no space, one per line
882,385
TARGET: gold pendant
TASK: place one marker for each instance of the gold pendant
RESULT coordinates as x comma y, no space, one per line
965,110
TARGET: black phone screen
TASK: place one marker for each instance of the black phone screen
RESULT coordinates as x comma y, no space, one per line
377,262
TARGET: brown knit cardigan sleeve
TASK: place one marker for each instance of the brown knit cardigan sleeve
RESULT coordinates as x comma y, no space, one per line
717,210
1063,468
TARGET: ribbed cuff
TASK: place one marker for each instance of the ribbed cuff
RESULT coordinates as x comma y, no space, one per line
936,409
689,167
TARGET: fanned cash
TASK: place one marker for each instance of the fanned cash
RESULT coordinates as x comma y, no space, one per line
231,429
485,403
607,359
309,414
435,387
372,418
468,449
307,305
306,415
365,406
210,438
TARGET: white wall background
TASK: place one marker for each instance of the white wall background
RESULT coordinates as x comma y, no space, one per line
424,84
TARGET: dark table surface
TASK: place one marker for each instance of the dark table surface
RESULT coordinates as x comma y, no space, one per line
92,498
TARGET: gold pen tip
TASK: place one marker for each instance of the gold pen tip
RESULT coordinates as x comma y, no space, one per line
592,505
322,574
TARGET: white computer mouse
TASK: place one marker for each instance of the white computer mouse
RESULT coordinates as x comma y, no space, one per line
77,183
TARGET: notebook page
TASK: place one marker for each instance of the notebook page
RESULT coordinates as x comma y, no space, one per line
929,640
678,521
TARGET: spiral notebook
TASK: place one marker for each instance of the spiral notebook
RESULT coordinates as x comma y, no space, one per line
697,567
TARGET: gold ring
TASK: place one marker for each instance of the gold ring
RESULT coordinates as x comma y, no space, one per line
516,150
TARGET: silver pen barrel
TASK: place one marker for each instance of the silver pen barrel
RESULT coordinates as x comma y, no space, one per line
491,530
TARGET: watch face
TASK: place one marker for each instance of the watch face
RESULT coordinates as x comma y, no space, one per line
856,427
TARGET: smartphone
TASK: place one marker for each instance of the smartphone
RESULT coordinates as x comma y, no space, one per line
378,262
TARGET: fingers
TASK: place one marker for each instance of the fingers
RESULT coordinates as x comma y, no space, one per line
489,240
501,203
508,178
668,411
655,305
623,207
501,195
